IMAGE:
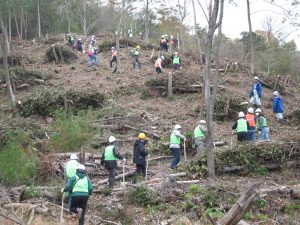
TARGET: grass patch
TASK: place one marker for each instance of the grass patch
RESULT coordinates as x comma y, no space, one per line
141,196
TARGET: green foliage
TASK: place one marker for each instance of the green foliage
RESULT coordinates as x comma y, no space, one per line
71,132
141,196
260,203
31,192
214,212
18,162
292,209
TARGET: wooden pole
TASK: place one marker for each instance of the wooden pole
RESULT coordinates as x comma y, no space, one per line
170,88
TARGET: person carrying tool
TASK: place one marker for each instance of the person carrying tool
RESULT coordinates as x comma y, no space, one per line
175,140
251,133
109,160
176,61
278,106
255,93
158,62
261,125
92,41
139,154
113,58
199,137
241,126
81,188
92,56
135,57
70,171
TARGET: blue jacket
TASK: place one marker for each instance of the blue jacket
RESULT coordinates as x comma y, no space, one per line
278,105
258,89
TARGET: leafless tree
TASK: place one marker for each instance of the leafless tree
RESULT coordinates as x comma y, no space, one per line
251,40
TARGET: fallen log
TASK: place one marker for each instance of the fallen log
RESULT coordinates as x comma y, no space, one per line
148,133
118,177
181,174
21,86
11,219
188,182
160,157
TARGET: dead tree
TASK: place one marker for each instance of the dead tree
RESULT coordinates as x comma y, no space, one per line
252,49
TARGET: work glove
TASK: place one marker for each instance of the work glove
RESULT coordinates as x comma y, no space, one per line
124,160
62,190
184,138
193,145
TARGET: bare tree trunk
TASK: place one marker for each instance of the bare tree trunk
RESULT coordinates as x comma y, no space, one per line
118,36
84,18
146,35
5,64
68,16
21,22
17,26
252,49
39,18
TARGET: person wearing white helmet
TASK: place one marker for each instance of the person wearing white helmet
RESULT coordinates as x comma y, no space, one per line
175,140
261,125
109,159
241,126
199,137
250,117
80,188
158,64
114,55
278,108
255,93
176,61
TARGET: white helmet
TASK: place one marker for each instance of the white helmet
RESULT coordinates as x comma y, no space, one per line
73,157
202,122
162,57
241,115
256,78
250,110
177,127
113,48
258,110
111,139
176,53
80,167
276,93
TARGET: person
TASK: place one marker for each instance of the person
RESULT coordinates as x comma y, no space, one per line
135,57
261,125
129,34
109,159
92,41
278,106
70,171
163,44
255,93
251,133
79,45
81,188
113,58
199,137
176,61
173,42
158,66
139,154
175,140
92,56
241,126
141,35
71,40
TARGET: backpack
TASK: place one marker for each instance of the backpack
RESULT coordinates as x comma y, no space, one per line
90,53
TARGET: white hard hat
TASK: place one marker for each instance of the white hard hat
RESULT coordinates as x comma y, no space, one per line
162,57
93,36
256,78
241,114
276,93
163,36
80,167
250,110
177,127
73,157
112,48
258,110
202,122
176,53
111,139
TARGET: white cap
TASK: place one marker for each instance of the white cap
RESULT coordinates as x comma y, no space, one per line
202,122
176,53
258,110
80,167
177,127
250,110
111,139
256,78
241,114
276,93
73,157
162,57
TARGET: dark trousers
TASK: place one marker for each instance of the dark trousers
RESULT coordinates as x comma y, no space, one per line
141,169
111,177
79,202
176,66
114,59
242,136
158,70
176,157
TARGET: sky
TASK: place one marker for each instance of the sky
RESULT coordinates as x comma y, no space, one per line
235,19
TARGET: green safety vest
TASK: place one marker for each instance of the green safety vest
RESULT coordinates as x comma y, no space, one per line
71,169
81,185
176,60
241,125
198,132
109,153
174,139
264,122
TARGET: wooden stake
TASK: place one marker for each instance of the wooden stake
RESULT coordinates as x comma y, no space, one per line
170,88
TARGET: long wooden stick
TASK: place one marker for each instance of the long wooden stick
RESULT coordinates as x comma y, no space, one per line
184,150
62,209
7,217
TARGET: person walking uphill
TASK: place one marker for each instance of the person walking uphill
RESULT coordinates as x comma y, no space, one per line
176,61
158,66
241,126
81,188
175,140
199,137
251,133
139,154
255,93
261,125
114,55
109,159
278,106
135,57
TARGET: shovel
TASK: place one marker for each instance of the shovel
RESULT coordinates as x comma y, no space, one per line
62,209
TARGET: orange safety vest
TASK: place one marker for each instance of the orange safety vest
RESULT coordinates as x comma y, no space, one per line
163,41
114,53
250,119
158,63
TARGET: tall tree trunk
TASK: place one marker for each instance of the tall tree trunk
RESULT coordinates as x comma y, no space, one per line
146,35
84,17
252,49
6,51
39,18
21,22
9,26
68,16
17,26
118,36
